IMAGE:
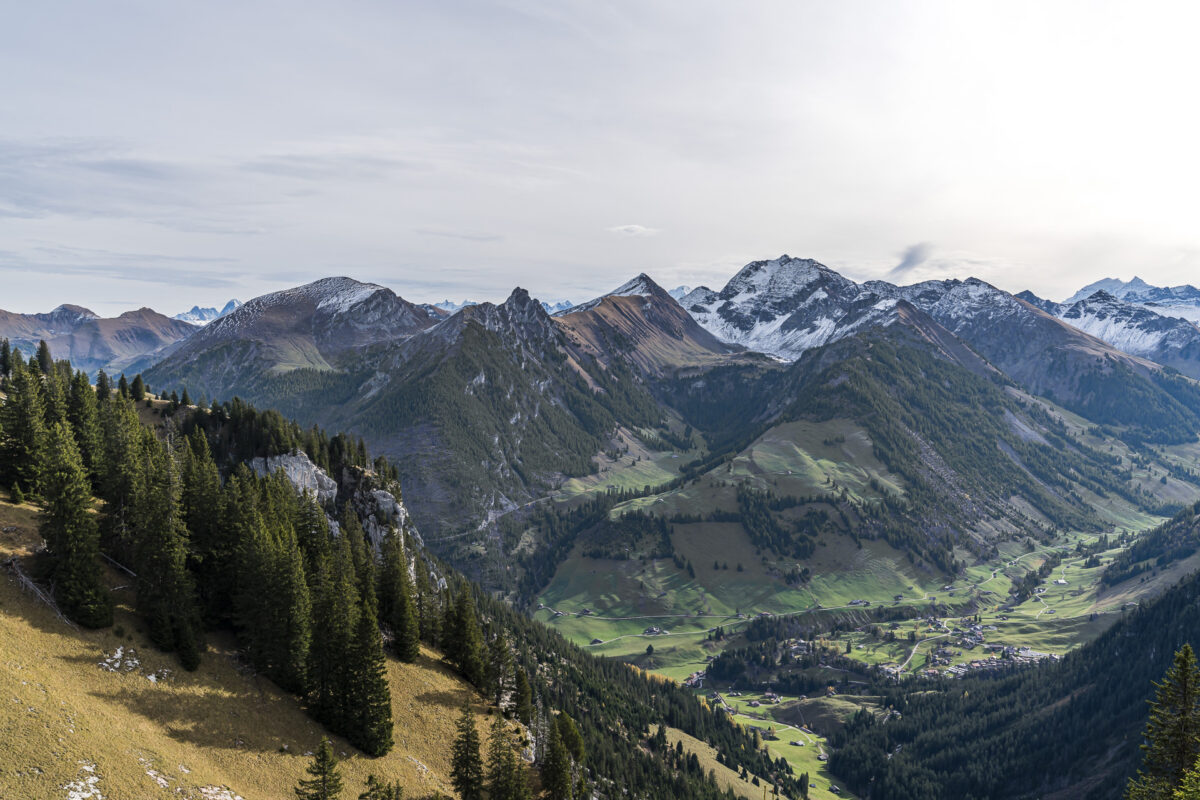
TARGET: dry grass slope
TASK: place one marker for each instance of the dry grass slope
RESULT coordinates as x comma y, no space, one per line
65,720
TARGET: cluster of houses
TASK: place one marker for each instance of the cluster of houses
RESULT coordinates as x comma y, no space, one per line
654,630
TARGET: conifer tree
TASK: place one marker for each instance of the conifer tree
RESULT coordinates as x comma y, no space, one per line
165,591
84,417
522,699
213,538
462,639
137,389
5,358
397,608
44,359
378,789
466,766
123,386
335,616
505,778
23,422
72,537
103,386
1171,733
556,767
185,399
370,726
326,780
428,618
498,668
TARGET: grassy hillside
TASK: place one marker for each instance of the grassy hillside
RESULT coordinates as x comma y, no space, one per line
149,729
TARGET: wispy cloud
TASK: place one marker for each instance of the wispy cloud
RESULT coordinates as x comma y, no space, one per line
632,230
466,236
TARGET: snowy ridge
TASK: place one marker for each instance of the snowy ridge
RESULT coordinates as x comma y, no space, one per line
642,286
1172,301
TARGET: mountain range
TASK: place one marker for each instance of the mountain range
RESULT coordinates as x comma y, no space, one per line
203,316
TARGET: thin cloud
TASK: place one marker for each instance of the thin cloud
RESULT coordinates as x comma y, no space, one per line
465,236
632,230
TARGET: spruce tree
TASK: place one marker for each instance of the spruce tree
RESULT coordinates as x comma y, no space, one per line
463,641
137,389
84,417
165,591
498,668
1171,733
103,386
335,616
23,423
397,607
556,767
326,780
123,386
522,698
213,537
5,358
505,777
370,698
72,538
184,398
466,766
44,359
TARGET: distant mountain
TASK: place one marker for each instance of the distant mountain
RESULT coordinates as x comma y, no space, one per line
203,316
314,326
557,306
1179,301
117,344
787,306
643,323
679,292
1132,328
451,306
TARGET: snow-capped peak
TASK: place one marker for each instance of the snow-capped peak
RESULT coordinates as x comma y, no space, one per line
203,316
641,286
680,292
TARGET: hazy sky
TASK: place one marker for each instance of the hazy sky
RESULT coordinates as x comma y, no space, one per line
166,154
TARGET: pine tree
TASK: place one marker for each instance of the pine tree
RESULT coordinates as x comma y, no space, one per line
184,398
123,386
137,389
370,699
466,766
214,536
572,739
1171,732
428,618
72,538
397,608
382,790
23,422
5,358
326,780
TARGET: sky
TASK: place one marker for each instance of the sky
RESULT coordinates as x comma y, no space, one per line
168,154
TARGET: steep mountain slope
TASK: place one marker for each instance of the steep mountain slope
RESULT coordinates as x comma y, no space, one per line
313,326
203,316
92,343
1131,328
644,324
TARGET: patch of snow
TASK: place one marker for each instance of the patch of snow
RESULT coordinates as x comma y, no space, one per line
219,793
87,787
120,660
